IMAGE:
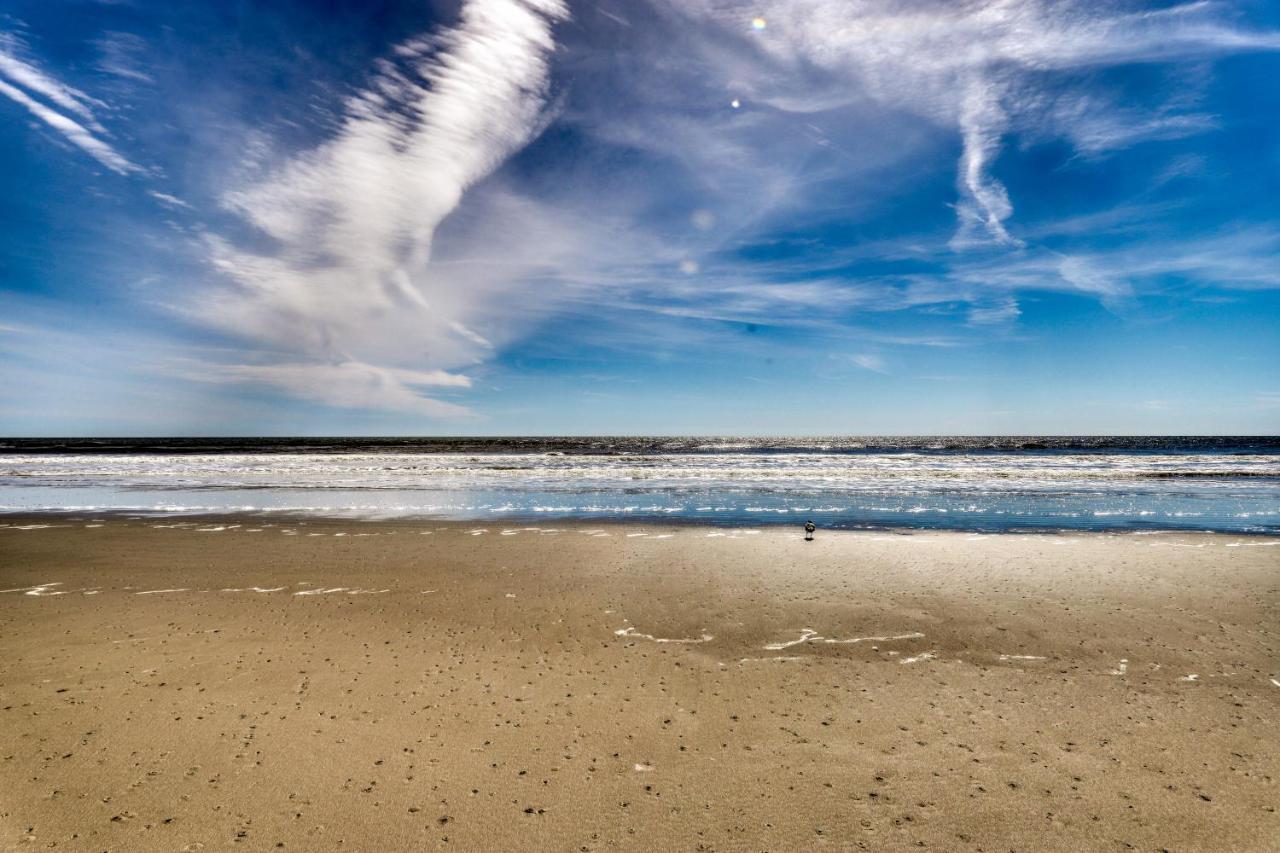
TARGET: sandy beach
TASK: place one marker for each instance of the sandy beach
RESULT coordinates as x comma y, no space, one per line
315,685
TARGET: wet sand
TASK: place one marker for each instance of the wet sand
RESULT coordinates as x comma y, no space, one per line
170,685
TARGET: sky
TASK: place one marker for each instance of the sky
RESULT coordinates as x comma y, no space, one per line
639,216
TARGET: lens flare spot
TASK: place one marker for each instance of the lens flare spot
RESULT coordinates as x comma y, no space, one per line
735,103
758,23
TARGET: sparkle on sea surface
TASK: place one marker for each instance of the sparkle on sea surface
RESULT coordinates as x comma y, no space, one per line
759,23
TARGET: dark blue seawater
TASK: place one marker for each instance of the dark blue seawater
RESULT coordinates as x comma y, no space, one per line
986,483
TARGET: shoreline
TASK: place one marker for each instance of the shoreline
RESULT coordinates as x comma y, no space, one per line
11,518
173,687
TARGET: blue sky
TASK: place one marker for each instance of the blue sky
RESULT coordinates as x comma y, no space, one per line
635,216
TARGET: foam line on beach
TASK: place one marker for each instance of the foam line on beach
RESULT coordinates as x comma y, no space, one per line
632,632
161,591
920,657
808,635
253,589
1023,657
340,589
38,589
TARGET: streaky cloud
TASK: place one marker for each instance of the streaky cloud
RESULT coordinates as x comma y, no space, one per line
348,278
978,67
352,385
31,78
72,131
22,81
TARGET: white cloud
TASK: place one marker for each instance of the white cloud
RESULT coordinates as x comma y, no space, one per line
870,361
349,277
169,200
984,204
84,133
34,80
999,313
347,385
1086,276
72,131
982,68
118,55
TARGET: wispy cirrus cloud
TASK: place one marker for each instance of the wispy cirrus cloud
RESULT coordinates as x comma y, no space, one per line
120,54
983,68
350,272
347,282
870,361
346,384
54,104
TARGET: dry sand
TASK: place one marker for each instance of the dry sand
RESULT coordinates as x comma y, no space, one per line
385,686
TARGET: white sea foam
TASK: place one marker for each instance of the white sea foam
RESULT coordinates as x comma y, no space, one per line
808,635
1023,657
920,657
43,589
1199,487
162,591
632,632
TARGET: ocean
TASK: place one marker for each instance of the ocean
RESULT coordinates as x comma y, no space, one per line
979,483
